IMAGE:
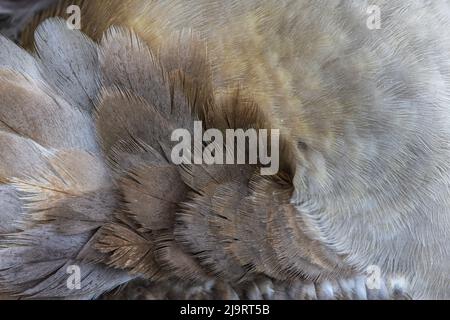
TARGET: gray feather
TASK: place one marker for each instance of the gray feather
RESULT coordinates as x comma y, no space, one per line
29,108
11,208
16,58
19,156
69,63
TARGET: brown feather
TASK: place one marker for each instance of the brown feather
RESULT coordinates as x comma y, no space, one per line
152,194
129,250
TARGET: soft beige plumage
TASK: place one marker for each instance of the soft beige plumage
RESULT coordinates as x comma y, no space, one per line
85,127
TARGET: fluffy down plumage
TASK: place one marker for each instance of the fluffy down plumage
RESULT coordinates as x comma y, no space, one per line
85,126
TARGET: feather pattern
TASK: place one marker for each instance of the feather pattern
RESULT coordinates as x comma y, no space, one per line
69,63
85,131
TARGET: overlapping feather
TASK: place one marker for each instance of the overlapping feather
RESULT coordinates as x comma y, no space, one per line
88,181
